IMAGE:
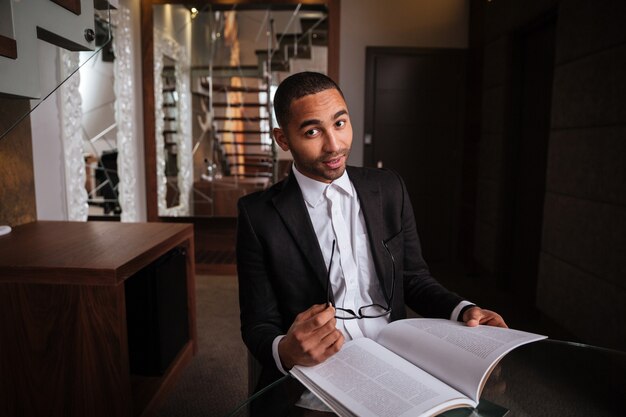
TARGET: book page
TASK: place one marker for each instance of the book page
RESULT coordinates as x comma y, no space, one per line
459,355
365,379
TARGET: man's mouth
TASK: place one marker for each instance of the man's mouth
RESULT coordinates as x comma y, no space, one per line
334,163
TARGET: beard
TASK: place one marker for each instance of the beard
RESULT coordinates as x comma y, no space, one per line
317,168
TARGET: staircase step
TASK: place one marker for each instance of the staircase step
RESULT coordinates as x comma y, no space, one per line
222,104
290,38
319,30
276,56
254,174
316,37
252,164
250,143
243,119
244,132
320,25
303,51
279,63
235,89
248,71
279,58
248,155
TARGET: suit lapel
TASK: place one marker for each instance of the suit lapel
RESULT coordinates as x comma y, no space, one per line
370,199
291,208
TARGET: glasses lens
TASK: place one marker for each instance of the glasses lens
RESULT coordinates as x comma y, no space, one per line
344,314
365,312
374,310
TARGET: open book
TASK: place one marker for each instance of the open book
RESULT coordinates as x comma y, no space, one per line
416,367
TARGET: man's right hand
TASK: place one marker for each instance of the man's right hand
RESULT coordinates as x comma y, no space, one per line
311,339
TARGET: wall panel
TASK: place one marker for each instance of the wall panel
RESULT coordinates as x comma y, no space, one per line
17,183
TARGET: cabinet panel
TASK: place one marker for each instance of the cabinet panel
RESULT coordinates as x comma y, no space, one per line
64,332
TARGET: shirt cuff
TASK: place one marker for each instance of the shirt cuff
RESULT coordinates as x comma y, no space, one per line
457,310
279,364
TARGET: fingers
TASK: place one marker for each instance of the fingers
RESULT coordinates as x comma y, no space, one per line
327,346
496,320
333,341
318,320
312,311
312,338
491,318
476,315
472,316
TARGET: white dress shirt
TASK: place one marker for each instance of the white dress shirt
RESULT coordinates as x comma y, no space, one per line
353,277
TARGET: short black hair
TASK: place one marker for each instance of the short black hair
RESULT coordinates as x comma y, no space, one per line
297,86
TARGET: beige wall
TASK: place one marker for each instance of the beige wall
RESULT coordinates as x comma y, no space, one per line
405,23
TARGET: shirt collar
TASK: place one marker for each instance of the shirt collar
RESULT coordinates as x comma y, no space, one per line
313,190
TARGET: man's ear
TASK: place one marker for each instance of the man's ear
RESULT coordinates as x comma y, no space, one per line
280,138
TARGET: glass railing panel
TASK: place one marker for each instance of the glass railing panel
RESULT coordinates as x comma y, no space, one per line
40,48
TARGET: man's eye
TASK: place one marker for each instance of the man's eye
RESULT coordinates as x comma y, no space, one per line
340,123
311,132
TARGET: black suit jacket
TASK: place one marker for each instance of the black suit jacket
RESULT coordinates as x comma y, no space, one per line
282,271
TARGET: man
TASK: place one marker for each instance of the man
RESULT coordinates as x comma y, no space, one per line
329,254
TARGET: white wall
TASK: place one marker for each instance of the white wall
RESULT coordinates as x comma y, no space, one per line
393,23
47,145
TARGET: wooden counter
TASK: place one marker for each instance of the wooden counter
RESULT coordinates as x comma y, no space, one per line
64,347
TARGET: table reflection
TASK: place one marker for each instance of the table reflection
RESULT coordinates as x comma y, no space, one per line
546,378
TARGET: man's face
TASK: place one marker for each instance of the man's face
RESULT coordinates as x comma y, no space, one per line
319,135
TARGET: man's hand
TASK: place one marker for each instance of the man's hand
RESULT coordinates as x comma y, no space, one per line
476,315
311,339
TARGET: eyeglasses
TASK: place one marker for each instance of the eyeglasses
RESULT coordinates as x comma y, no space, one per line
370,311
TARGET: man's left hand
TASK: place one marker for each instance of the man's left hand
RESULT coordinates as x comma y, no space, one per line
476,315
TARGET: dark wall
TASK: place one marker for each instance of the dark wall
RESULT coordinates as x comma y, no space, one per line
17,182
581,281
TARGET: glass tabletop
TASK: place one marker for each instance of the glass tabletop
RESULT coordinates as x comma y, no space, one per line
545,378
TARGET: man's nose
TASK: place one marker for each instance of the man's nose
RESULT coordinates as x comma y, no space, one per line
331,142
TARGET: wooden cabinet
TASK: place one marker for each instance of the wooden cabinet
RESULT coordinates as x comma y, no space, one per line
64,343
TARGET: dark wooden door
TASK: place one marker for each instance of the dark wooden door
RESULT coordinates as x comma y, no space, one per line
414,111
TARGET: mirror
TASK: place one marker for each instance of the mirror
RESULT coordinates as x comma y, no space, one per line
108,126
172,127
209,76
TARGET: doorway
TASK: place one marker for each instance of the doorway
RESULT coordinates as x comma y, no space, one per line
414,124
